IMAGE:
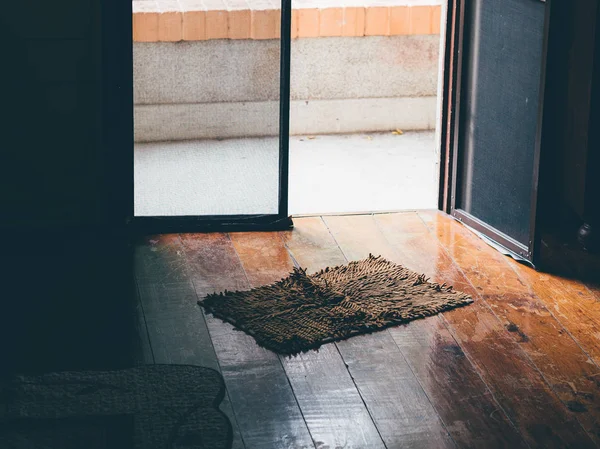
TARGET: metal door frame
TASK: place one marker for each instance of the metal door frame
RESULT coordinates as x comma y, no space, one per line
116,72
450,132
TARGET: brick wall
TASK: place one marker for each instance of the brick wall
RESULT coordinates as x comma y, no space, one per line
194,20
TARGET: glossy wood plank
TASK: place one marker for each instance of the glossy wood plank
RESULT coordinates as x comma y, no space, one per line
400,407
455,388
478,371
331,405
570,302
159,259
175,325
564,365
507,370
523,395
146,356
176,328
465,403
264,403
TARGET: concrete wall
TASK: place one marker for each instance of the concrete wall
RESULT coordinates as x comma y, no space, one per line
230,88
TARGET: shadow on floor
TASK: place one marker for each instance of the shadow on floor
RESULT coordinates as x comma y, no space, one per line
68,303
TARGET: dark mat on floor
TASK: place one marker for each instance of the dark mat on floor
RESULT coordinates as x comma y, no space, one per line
148,407
302,312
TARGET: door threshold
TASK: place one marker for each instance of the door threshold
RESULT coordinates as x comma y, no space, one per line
343,214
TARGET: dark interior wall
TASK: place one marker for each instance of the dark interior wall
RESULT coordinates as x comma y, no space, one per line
579,91
568,119
66,293
51,114
555,110
592,173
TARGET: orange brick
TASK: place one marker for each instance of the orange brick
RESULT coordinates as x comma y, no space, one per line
266,24
420,19
216,24
145,21
145,27
240,19
331,21
170,21
294,24
354,22
170,26
308,22
377,21
194,25
240,24
436,19
399,20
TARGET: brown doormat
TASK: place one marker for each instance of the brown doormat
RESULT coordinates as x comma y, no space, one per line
302,312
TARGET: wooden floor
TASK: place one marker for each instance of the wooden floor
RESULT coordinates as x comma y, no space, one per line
518,368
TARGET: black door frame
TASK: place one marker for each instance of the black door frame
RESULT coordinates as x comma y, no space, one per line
450,126
118,140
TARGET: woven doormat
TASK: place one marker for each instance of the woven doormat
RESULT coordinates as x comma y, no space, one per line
302,311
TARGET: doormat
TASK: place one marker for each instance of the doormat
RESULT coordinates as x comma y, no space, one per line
302,311
147,407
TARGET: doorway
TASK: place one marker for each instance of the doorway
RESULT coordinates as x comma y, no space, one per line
364,107
257,188
208,110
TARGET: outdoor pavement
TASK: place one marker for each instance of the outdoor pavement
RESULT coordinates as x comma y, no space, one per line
328,174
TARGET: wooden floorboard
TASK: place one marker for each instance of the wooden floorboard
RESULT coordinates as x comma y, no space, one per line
517,368
146,355
264,403
503,365
330,403
176,329
457,391
399,405
571,303
427,345
159,260
510,373
563,364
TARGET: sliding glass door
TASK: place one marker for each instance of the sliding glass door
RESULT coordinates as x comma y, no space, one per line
214,154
